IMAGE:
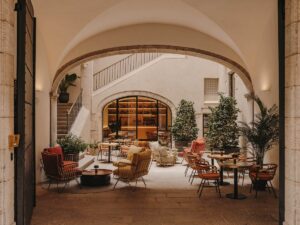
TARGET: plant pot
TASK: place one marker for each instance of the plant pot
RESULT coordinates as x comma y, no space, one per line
63,97
260,185
180,145
72,157
231,150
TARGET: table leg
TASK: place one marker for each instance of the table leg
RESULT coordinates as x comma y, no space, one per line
109,152
222,182
235,194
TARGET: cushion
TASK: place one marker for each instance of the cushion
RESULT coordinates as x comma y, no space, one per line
163,151
55,150
154,145
133,149
122,162
210,176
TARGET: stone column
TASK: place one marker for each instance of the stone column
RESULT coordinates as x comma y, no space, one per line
53,123
292,112
87,84
7,75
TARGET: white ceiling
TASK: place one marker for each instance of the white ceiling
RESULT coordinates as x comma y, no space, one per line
247,27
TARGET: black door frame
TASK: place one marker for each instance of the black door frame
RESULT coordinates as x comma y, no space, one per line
281,70
21,207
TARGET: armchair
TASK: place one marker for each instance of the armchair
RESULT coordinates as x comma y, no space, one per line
165,157
56,170
138,168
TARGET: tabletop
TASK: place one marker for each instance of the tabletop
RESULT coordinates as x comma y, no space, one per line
239,164
100,172
219,156
113,144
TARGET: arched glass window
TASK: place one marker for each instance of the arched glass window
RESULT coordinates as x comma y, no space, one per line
136,117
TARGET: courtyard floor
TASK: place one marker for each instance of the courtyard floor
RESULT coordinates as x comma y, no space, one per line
168,199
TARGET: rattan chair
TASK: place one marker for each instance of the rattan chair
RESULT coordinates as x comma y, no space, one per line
57,171
264,173
208,173
138,168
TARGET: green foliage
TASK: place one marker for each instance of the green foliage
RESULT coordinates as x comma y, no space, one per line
68,81
263,132
185,126
72,144
223,130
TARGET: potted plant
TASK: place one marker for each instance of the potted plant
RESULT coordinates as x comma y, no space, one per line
184,129
72,146
262,133
68,81
222,133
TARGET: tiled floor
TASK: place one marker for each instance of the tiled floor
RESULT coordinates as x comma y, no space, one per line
169,199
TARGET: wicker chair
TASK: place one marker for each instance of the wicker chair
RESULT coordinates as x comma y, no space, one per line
264,173
138,168
66,160
101,150
208,173
166,157
57,171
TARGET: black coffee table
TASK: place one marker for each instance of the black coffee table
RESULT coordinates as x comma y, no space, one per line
95,177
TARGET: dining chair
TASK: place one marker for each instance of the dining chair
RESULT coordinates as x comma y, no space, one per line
208,173
265,173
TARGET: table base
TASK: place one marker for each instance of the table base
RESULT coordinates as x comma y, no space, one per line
224,183
239,196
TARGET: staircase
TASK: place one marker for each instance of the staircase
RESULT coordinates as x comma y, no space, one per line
122,67
62,118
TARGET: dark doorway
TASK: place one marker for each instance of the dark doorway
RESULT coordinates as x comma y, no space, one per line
24,113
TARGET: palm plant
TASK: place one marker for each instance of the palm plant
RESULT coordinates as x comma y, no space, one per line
68,81
263,132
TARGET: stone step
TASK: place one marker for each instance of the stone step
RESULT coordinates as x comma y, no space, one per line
86,161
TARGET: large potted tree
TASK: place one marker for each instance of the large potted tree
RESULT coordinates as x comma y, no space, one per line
184,128
263,132
72,146
222,133
68,81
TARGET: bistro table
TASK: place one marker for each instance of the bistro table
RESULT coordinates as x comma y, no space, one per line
220,158
235,165
109,145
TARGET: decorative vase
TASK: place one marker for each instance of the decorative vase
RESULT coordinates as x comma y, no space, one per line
63,97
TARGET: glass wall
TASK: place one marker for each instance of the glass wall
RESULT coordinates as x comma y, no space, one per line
136,117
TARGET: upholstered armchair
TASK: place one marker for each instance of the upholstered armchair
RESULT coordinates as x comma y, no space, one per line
138,168
165,157
58,171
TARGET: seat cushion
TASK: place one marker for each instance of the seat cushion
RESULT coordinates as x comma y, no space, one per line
70,163
133,149
122,162
124,172
261,176
210,176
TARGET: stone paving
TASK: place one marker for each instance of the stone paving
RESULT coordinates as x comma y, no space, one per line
162,203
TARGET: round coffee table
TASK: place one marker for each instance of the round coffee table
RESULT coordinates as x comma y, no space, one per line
95,177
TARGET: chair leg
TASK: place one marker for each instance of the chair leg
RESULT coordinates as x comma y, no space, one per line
273,189
251,186
199,186
144,182
79,184
186,170
50,181
191,175
218,186
116,184
202,188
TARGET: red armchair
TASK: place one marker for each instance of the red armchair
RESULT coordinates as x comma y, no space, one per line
58,171
197,148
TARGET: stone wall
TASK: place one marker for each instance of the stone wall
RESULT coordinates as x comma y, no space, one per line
292,113
7,74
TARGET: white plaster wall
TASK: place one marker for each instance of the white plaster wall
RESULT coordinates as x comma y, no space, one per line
42,115
174,79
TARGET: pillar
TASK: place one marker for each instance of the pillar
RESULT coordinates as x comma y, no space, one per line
53,123
7,75
292,112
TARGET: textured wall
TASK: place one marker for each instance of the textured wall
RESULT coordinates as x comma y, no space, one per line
292,113
7,73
